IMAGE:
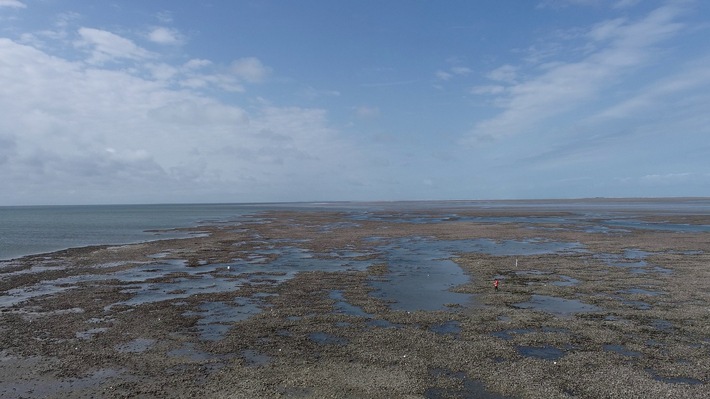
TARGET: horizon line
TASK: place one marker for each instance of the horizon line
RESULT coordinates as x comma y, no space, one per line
557,199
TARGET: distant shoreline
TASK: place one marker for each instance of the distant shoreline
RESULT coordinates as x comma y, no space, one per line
403,201
97,225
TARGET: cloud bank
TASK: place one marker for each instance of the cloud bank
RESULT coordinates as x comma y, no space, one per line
85,132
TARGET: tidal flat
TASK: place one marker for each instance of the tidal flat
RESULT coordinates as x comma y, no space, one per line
391,301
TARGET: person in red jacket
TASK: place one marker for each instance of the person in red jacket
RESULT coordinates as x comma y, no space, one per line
495,284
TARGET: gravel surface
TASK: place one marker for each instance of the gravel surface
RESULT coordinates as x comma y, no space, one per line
314,304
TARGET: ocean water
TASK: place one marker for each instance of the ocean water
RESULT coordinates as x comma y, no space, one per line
41,229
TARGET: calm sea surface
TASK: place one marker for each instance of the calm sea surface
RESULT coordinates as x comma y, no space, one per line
41,229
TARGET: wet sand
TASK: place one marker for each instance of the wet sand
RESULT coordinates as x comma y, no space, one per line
326,304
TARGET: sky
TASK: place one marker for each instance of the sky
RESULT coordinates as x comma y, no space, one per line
163,101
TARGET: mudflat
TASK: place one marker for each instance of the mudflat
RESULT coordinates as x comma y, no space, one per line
377,304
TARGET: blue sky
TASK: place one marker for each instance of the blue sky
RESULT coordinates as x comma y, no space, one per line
259,101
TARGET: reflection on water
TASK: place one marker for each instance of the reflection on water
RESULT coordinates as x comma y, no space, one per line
541,352
557,306
283,263
452,327
88,334
342,306
673,380
138,345
421,274
642,225
323,338
622,350
603,216
634,260
216,318
419,279
189,351
48,386
662,325
640,291
255,358
459,386
567,281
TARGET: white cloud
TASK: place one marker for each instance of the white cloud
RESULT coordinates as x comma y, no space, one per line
566,3
667,178
312,93
162,71
197,63
250,69
49,38
64,19
197,111
165,17
12,4
621,47
607,30
216,80
505,73
106,46
626,3
443,75
366,112
196,74
651,99
462,71
556,4
167,36
92,115
66,124
452,72
489,89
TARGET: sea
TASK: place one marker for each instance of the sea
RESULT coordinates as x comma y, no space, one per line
32,230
